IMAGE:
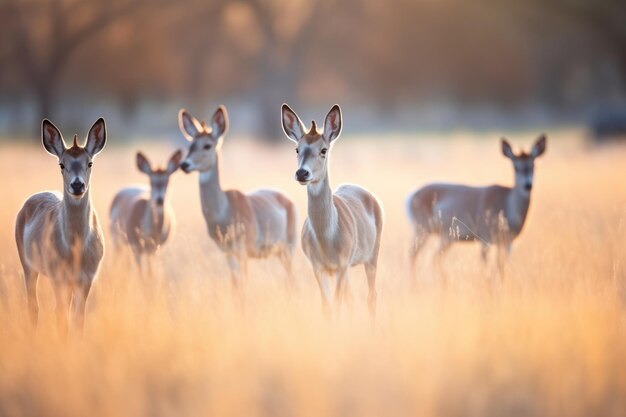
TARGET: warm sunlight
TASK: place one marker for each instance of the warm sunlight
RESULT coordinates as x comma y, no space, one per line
446,240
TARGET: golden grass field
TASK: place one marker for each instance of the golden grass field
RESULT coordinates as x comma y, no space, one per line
549,341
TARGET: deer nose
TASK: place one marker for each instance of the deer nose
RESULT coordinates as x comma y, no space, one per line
302,174
184,166
77,186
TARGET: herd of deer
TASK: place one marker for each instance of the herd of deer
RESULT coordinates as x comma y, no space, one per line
59,235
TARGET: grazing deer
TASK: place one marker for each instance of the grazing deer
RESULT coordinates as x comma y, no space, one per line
493,215
343,229
59,235
141,217
255,225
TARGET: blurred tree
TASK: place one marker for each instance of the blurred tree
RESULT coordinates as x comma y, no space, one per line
605,19
288,30
396,55
570,37
46,33
170,57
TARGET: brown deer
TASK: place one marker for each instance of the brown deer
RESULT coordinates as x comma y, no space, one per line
252,225
141,217
58,234
343,229
493,215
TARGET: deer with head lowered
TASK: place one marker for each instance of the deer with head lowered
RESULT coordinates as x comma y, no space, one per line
493,215
58,234
252,225
140,217
343,229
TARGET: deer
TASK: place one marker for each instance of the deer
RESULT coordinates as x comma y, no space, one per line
140,217
258,224
343,228
493,215
58,234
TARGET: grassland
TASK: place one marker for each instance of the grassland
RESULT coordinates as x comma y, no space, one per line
549,341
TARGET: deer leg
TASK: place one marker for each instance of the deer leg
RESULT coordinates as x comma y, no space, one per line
484,256
370,272
80,301
417,245
444,245
502,259
137,256
63,296
243,259
234,263
152,281
30,280
142,274
484,253
340,288
163,283
148,259
322,282
488,273
287,262
347,292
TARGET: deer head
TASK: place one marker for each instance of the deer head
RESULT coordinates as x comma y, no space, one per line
204,141
524,163
159,177
312,147
75,161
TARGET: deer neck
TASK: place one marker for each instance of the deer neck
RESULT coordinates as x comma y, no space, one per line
76,218
517,208
215,205
321,209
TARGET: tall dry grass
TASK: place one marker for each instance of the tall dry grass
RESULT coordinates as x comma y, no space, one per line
549,341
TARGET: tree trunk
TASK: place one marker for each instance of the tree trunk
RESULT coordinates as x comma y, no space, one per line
45,96
44,103
278,84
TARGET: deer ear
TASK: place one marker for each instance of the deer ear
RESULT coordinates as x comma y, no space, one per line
51,138
143,164
219,122
174,162
188,124
539,147
332,124
506,149
292,125
96,138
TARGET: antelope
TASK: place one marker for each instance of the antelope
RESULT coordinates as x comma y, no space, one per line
343,229
253,225
493,215
140,217
58,234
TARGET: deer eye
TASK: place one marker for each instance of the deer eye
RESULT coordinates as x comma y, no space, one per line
90,164
207,146
62,167
323,151
297,151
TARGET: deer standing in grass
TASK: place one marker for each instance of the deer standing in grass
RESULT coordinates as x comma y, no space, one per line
493,215
58,234
252,225
343,229
140,217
